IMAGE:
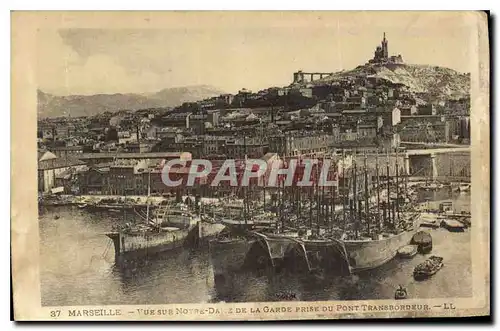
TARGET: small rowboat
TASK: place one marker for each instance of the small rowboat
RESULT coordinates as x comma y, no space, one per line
453,225
429,224
408,251
401,293
464,188
423,240
428,268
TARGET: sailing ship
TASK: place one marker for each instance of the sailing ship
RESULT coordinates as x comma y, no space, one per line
376,236
171,227
240,245
279,240
230,251
366,238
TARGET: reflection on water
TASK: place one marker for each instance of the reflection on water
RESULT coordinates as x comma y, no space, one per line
77,268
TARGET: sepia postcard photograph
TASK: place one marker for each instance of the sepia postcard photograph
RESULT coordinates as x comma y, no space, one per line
261,165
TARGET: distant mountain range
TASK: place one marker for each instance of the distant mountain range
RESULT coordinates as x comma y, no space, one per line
435,83
438,83
88,105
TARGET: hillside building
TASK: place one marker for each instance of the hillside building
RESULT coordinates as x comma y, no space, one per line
381,54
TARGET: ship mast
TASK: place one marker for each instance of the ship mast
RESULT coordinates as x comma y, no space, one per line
351,186
355,194
318,208
367,207
378,193
245,202
262,152
397,185
344,189
407,170
297,193
388,189
311,199
281,193
264,191
332,209
149,193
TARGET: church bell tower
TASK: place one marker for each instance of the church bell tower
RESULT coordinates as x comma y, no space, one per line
385,48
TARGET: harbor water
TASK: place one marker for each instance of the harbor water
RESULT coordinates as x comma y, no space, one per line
77,268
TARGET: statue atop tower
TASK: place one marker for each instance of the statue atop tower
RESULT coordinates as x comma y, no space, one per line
385,48
381,54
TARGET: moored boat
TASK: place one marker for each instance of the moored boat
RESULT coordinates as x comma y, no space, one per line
430,186
401,293
366,246
408,251
433,224
428,268
177,228
424,242
325,254
237,247
369,254
228,252
168,228
453,225
277,244
464,188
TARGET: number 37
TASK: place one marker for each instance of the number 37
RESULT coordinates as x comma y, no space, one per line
55,313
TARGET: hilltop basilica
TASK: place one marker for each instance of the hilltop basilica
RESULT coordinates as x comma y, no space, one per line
381,54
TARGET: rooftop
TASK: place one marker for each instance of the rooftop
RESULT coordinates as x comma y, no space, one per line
58,163
151,155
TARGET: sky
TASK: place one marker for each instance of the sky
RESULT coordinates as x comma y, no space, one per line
231,51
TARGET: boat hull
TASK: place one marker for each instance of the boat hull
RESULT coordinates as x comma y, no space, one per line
328,255
229,256
400,295
336,255
276,248
425,275
281,250
209,230
144,244
407,255
407,252
366,255
453,226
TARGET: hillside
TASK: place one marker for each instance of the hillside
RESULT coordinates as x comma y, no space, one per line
175,96
437,82
88,105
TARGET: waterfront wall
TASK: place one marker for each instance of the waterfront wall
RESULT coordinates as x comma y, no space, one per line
452,164
456,164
